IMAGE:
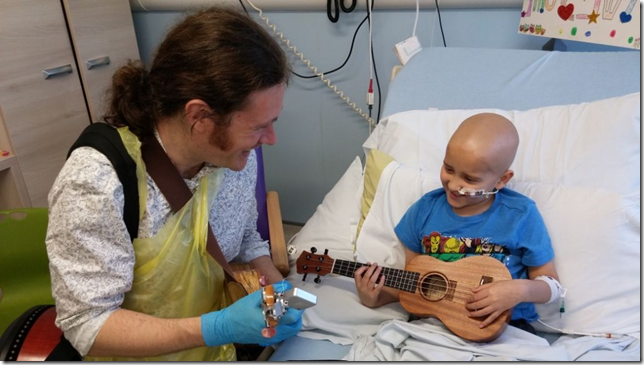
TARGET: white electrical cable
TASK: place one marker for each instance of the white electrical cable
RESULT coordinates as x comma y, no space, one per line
369,2
325,80
416,21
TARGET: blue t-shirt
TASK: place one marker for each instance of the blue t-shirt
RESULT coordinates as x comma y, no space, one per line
511,230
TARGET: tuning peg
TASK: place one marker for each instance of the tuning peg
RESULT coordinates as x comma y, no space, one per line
304,277
326,251
317,280
314,250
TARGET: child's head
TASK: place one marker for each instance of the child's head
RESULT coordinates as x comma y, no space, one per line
478,157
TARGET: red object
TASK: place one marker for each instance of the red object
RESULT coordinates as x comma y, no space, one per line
565,12
41,339
4,153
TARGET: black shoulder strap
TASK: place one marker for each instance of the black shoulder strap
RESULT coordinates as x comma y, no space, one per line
106,139
64,351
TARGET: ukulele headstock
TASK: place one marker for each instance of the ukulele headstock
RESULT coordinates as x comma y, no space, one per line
310,263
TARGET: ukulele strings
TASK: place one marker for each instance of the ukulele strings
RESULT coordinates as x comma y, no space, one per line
402,281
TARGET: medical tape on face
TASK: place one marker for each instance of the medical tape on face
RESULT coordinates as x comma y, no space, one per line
474,192
555,288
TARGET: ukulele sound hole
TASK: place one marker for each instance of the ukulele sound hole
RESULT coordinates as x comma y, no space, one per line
434,287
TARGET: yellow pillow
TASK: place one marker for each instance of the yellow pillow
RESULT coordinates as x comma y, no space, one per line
376,163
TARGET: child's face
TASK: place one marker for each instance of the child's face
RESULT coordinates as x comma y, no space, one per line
463,168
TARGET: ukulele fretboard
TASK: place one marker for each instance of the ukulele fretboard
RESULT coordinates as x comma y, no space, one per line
394,278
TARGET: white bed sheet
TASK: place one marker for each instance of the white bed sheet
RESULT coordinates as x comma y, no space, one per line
428,340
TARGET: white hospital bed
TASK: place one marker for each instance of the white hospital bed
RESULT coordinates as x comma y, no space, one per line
579,158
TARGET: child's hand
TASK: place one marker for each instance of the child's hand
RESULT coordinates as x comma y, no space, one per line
368,291
493,299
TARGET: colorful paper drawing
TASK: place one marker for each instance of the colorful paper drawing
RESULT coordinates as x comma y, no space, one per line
610,22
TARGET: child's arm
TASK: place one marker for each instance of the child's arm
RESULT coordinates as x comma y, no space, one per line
372,295
494,298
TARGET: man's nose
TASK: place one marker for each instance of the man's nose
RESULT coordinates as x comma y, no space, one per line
269,137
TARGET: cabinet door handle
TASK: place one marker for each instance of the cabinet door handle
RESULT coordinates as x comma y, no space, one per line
66,69
97,62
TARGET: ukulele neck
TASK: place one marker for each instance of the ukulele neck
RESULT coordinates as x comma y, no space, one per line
394,278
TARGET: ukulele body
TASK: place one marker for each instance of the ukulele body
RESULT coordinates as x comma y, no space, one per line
443,290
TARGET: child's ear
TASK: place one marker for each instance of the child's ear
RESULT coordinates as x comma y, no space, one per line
505,178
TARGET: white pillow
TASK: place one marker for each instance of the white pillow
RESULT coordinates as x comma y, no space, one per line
592,144
399,187
338,315
334,222
595,236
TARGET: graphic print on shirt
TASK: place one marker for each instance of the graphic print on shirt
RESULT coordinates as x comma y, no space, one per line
448,248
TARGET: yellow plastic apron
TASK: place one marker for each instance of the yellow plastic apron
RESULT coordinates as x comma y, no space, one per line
174,276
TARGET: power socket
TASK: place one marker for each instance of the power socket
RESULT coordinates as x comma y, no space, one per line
407,49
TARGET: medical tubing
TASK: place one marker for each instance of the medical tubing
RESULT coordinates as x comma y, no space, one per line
593,334
326,81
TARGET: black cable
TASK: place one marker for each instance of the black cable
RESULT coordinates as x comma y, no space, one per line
350,8
375,72
333,18
242,4
345,61
440,22
337,5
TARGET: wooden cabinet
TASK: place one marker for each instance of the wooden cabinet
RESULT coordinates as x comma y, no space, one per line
13,192
103,35
45,101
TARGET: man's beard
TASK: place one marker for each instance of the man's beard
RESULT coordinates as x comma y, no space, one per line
221,139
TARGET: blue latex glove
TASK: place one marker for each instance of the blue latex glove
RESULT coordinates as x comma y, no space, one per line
242,322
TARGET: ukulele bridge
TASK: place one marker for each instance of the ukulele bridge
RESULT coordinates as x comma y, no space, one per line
486,280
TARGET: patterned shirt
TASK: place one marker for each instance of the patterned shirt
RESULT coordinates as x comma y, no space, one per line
91,258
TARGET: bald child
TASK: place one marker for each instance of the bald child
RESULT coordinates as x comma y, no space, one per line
475,214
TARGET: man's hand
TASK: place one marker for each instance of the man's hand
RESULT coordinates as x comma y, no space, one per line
242,322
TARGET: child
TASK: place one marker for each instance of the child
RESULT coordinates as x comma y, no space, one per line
472,214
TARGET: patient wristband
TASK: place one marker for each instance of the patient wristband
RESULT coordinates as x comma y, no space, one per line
555,288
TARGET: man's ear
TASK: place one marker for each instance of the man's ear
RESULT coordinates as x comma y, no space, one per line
505,178
195,111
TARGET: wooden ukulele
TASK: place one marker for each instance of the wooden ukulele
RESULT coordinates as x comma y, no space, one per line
248,279
430,287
